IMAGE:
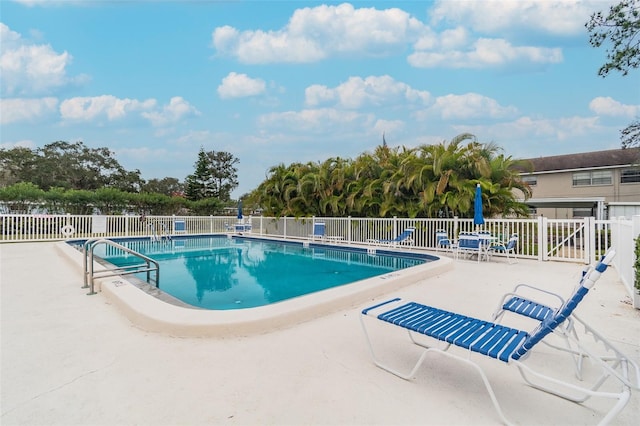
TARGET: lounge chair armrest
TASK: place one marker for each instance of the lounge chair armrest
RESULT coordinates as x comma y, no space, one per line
515,292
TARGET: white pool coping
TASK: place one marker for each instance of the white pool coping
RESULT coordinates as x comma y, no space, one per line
152,314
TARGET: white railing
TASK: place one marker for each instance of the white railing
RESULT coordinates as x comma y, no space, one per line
581,240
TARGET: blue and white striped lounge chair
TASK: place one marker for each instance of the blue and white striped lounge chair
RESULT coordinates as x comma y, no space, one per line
319,229
513,346
406,237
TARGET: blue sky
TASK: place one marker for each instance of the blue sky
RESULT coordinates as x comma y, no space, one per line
294,81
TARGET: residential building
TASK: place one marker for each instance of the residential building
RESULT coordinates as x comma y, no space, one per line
585,184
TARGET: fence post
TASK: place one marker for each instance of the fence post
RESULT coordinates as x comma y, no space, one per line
589,245
284,227
349,229
542,238
395,227
635,233
126,225
456,228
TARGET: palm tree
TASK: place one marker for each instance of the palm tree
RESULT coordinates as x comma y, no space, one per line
426,181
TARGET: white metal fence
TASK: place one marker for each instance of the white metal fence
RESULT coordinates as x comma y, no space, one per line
569,240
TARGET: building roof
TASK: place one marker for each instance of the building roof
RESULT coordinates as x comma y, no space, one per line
587,160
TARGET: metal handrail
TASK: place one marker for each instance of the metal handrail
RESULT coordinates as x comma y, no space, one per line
89,274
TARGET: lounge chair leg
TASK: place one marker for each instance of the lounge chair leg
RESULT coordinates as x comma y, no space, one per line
621,397
421,359
378,363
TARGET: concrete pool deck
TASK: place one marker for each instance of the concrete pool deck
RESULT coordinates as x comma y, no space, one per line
71,359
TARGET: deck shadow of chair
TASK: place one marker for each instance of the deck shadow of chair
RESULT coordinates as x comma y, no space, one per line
468,245
443,242
406,237
513,346
507,248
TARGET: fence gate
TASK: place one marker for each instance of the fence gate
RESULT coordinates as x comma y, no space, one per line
571,240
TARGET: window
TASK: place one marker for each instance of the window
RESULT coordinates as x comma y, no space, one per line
582,212
600,177
531,180
630,176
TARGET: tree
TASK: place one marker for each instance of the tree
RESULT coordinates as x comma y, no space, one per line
621,28
67,165
630,135
167,186
427,181
16,165
215,176
224,175
199,184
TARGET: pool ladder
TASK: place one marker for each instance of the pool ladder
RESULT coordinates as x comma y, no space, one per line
155,236
148,266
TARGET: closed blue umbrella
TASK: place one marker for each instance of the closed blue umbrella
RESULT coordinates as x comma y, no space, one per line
239,210
478,219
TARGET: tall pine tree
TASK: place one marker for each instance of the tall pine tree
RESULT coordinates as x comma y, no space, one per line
199,185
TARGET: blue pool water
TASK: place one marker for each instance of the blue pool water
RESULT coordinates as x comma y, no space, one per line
217,272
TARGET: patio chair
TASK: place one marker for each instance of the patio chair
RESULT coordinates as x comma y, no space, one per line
179,226
319,228
513,346
443,241
406,237
507,248
468,245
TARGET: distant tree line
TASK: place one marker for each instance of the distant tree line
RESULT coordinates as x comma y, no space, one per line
73,178
426,181
27,198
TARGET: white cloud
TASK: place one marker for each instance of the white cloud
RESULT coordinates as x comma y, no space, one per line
388,127
176,110
526,128
18,109
609,106
485,53
312,34
240,86
315,120
29,69
100,107
494,16
357,92
453,39
195,138
469,105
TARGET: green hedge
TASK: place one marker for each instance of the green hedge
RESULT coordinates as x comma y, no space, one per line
27,198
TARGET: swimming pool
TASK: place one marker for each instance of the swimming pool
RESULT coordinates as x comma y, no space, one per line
224,273
147,309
